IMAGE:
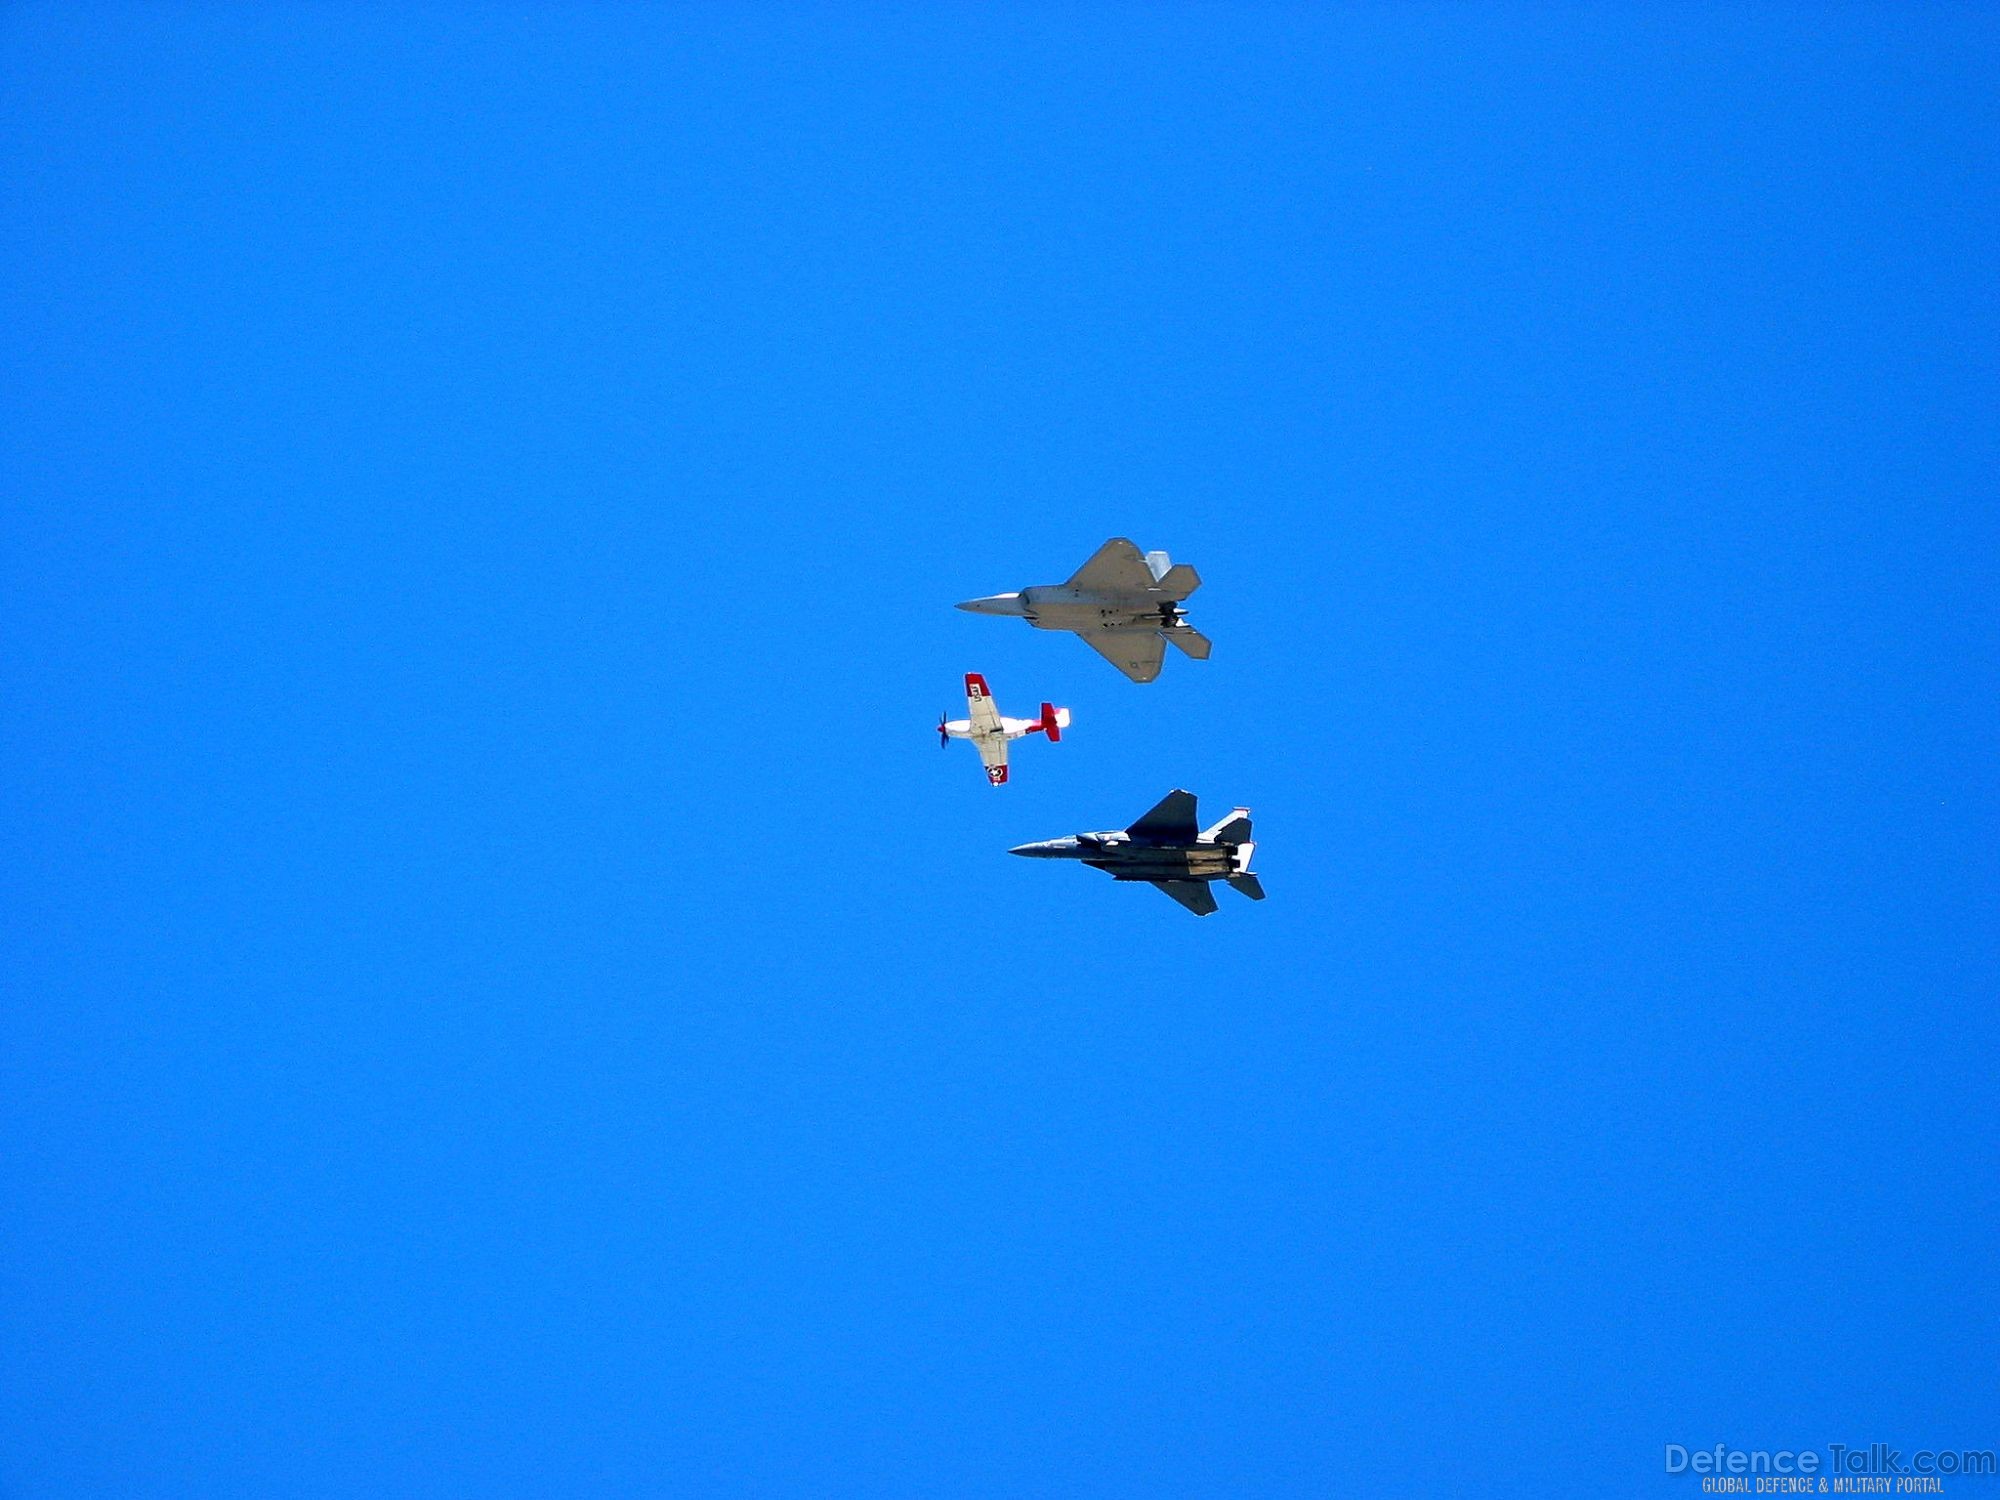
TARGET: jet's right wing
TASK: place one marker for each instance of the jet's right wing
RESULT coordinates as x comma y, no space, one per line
1170,821
1193,894
1116,567
1136,653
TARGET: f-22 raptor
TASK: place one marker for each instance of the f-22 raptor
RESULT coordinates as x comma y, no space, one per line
1126,605
1164,849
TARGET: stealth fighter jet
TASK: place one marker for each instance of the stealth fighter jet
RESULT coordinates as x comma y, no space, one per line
1125,605
1164,849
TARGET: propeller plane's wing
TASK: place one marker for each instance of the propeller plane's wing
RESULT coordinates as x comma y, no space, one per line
987,732
979,705
993,755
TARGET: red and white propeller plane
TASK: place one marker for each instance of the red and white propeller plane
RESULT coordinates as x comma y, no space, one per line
990,732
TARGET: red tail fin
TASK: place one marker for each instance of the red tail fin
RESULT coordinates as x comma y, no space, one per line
1049,725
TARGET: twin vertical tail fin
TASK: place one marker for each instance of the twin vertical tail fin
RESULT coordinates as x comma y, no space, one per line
1234,829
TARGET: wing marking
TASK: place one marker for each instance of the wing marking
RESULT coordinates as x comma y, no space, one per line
993,755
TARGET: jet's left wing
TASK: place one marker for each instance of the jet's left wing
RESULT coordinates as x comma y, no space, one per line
988,733
1193,894
1136,653
1116,567
1171,820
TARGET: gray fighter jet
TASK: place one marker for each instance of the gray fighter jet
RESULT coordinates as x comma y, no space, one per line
1125,605
1164,849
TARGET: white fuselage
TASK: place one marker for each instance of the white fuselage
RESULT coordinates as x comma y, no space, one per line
1005,729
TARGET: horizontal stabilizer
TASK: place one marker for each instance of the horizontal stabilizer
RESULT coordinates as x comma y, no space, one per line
1178,581
1249,885
1189,640
1193,894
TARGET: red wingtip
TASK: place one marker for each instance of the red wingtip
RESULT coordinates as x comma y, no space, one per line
975,686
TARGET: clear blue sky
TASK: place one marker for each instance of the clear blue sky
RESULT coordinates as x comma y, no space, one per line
503,994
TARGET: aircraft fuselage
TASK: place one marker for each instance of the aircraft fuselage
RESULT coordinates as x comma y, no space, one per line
1124,858
1060,607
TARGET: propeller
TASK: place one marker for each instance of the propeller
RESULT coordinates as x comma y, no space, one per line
944,737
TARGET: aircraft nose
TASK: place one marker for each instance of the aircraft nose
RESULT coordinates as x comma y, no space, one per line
997,604
1034,851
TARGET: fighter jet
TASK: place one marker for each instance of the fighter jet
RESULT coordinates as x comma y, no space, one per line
1163,849
1125,606
990,732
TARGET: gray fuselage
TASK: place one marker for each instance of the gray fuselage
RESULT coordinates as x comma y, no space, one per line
1123,857
1057,606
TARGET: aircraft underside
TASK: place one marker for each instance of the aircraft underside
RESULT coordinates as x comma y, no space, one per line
1196,869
